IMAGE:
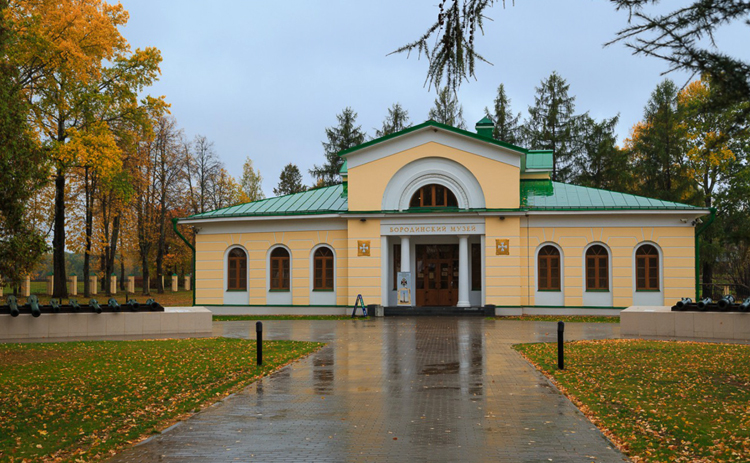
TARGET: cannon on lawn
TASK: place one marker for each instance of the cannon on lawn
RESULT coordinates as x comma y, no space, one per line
34,308
33,305
13,305
727,303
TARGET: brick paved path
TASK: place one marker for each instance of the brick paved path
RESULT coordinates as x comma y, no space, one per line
396,389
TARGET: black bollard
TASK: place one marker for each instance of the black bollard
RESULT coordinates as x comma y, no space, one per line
560,351
259,342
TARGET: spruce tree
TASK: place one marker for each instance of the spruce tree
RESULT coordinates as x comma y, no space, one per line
551,125
655,146
448,110
345,135
290,181
396,121
506,124
600,163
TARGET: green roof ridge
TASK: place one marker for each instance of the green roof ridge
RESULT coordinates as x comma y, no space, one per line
431,123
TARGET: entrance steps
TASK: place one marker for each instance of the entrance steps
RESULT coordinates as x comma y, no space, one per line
439,311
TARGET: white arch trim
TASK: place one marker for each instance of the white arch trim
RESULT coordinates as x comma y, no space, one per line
236,297
278,297
425,171
648,297
598,298
323,297
550,298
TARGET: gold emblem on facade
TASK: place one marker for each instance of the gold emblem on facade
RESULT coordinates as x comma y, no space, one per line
502,247
363,248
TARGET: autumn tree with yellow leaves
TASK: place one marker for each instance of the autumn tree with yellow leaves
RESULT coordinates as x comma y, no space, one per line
708,157
82,79
684,150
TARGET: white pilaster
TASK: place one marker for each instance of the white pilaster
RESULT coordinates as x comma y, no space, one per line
384,280
463,271
405,257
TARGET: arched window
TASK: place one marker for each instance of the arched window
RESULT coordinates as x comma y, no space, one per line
323,263
597,268
647,268
433,195
549,269
279,269
237,271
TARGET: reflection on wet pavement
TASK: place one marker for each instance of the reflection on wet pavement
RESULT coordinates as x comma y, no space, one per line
395,389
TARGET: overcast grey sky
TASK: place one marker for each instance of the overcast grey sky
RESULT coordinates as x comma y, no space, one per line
263,79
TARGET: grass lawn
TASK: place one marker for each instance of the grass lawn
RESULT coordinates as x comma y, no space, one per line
237,318
563,318
79,401
168,299
657,400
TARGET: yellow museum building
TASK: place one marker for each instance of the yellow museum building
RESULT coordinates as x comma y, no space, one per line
451,218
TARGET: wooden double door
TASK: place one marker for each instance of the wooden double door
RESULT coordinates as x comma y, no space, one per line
437,275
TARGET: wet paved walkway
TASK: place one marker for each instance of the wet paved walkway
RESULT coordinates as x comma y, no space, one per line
395,389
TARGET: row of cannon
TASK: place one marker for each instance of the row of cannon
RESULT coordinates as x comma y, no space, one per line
36,309
725,304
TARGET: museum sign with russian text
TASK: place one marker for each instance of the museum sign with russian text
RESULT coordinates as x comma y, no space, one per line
434,229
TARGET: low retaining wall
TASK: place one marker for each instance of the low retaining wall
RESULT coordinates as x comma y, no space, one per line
174,321
274,310
662,322
517,311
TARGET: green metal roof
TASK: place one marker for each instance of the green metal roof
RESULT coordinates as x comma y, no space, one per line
438,125
344,167
538,160
536,195
326,200
548,195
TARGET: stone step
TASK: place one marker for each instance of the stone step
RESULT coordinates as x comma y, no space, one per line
438,311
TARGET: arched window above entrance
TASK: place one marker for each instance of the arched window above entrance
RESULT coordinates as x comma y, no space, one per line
433,195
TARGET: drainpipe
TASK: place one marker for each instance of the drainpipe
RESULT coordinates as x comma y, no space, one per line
174,227
698,233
